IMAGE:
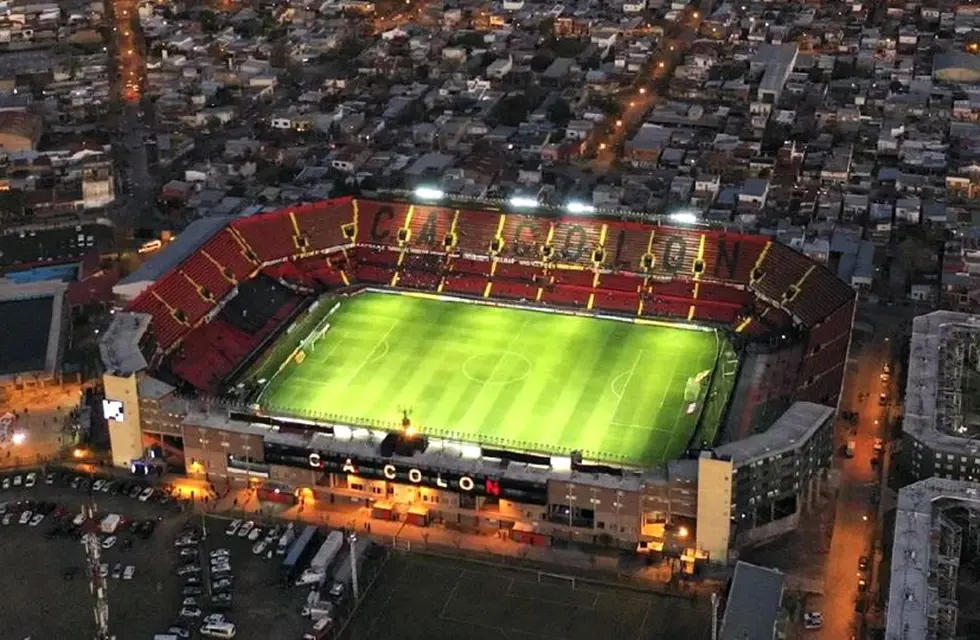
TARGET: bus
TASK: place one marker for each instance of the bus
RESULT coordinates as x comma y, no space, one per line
296,553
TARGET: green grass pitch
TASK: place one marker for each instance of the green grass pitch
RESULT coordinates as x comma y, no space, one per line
538,381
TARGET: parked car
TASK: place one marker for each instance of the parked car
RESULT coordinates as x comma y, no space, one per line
219,553
109,542
129,572
146,494
189,602
135,491
233,527
104,570
190,612
31,479
188,570
255,534
246,529
117,570
812,620
26,516
192,591
180,632
189,552
36,520
863,563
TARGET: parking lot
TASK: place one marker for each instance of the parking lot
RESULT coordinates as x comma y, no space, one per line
262,608
42,602
420,596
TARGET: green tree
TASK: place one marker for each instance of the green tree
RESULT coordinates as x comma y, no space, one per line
559,112
209,21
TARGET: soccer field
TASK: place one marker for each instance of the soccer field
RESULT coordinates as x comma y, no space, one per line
617,391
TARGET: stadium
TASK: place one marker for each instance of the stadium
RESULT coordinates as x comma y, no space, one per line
561,375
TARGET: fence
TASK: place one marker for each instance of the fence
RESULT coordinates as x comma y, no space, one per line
543,571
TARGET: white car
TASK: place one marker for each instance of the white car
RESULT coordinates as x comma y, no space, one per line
79,520
129,572
7,519
147,494
109,542
214,618
189,602
104,570
259,547
26,517
812,620
246,529
233,527
220,566
31,479
219,553
36,520
18,480
97,485
6,483
255,534
190,612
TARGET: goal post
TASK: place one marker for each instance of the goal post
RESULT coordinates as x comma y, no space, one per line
545,577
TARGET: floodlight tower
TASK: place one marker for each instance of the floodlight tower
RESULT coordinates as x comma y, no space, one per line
97,583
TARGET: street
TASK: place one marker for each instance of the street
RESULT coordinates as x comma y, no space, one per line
856,524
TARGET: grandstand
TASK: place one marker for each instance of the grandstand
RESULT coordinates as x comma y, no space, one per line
759,292
33,326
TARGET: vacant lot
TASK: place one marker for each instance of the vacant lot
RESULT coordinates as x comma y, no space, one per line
433,598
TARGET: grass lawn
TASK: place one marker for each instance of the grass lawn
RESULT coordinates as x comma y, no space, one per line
509,377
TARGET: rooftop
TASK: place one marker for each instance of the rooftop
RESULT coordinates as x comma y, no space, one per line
754,603
795,426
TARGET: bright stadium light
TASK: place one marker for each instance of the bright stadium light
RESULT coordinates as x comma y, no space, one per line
684,217
523,202
429,193
579,207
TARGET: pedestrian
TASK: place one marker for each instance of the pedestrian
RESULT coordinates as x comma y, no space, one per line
235,502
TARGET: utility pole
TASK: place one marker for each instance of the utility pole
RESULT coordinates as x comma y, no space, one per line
353,566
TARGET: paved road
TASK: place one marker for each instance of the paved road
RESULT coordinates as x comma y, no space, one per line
855,522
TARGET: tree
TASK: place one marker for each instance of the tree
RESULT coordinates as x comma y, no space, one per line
209,21
559,112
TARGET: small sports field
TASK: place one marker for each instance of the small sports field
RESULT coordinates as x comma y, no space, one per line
419,596
617,391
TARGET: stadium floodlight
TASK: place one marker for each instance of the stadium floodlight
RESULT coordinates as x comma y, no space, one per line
579,207
429,193
523,202
684,217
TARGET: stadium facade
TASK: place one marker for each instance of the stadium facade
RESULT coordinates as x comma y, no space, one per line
202,313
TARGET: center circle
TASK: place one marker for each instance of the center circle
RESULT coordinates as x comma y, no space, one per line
497,367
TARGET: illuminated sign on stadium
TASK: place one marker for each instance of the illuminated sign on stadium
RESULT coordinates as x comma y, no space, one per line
380,469
440,480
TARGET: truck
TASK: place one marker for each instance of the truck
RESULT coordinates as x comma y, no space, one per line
296,553
850,448
343,577
110,523
323,559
